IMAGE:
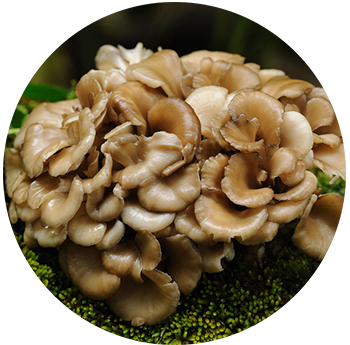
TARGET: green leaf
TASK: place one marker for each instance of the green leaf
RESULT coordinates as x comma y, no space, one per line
17,119
45,92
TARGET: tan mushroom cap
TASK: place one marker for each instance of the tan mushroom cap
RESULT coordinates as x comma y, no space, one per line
138,218
315,231
147,303
58,208
300,191
187,224
174,115
14,173
192,61
218,216
266,74
319,112
144,157
162,69
113,235
207,101
296,133
241,183
213,256
133,100
84,267
71,157
83,230
49,115
265,234
47,236
24,212
185,262
171,193
283,162
264,107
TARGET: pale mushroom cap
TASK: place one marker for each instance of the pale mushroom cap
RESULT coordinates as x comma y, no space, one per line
113,235
265,234
138,218
185,264
85,269
171,193
49,237
147,303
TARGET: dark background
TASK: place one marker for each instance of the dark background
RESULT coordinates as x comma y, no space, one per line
57,42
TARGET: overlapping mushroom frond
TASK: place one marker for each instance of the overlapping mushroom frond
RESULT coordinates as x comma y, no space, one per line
162,162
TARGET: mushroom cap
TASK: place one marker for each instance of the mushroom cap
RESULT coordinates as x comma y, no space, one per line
83,230
84,267
47,236
162,69
113,235
241,183
147,303
319,112
138,218
185,262
213,256
318,223
14,173
265,234
171,193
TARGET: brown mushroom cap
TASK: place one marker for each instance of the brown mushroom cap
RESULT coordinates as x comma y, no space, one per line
84,267
315,231
265,234
113,235
14,173
185,264
147,303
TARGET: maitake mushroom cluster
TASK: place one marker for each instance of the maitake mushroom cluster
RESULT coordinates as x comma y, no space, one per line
147,178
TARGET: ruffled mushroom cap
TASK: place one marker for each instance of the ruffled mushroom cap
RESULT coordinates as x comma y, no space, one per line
318,223
162,69
185,262
192,61
14,173
267,74
49,115
187,224
48,236
171,193
84,267
111,57
83,230
144,157
213,256
207,101
265,234
138,218
133,100
319,112
219,217
264,107
242,182
147,303
113,235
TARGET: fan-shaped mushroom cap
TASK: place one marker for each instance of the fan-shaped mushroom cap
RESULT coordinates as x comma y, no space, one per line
49,115
300,139
207,101
265,234
84,267
71,157
319,112
171,193
218,216
174,115
133,100
83,230
212,256
138,218
241,183
113,235
58,207
318,223
26,213
266,108
300,191
110,57
266,74
147,303
162,69
185,264
192,61
284,212
187,224
144,157
47,236
14,173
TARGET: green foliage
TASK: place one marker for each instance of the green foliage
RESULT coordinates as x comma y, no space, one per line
323,182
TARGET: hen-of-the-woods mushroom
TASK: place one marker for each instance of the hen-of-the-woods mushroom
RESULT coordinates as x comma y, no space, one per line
163,163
